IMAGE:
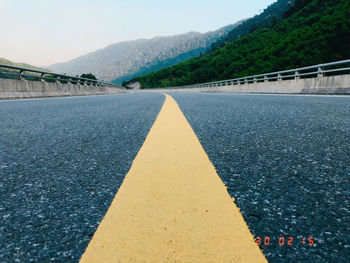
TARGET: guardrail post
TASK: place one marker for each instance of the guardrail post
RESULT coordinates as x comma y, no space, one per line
21,73
279,77
57,79
320,72
266,79
245,81
42,76
296,75
254,80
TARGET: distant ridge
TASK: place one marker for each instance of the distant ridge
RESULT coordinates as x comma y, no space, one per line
125,60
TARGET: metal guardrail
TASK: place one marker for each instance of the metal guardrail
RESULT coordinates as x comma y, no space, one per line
13,72
327,69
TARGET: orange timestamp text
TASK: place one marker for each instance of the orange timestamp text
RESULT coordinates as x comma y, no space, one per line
284,241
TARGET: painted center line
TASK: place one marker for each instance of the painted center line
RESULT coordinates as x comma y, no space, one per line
172,205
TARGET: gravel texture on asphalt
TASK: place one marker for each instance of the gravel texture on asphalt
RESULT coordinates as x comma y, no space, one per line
61,163
286,161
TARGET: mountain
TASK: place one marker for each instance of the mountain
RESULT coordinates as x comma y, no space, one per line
312,32
125,60
270,16
23,65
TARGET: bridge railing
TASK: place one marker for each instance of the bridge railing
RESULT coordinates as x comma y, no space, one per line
320,70
14,72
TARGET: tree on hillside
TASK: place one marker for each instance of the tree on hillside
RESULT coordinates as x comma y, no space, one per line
88,76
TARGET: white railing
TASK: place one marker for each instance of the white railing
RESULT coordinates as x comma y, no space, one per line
333,68
13,72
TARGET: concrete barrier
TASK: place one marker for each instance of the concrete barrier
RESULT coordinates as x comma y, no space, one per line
322,85
11,88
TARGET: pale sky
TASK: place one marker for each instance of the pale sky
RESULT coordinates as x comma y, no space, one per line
43,32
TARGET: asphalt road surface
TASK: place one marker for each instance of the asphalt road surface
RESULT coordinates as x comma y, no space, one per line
61,163
285,160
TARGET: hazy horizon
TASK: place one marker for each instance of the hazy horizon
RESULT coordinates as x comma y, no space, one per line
61,30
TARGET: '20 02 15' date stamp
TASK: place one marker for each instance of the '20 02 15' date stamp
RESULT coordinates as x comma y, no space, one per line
284,241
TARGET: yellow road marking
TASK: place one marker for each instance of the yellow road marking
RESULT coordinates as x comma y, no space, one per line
172,205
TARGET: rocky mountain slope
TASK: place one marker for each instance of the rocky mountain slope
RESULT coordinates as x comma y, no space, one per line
125,60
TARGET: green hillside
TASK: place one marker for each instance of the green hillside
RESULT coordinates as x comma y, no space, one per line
315,31
273,14
23,65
